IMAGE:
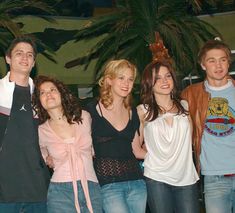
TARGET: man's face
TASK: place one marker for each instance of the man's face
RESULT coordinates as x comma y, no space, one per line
21,59
216,65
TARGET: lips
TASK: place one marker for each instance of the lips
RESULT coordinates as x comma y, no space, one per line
165,87
50,99
24,64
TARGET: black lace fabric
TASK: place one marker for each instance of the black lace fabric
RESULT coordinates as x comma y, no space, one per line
116,168
113,170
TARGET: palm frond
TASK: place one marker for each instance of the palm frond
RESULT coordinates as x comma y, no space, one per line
128,32
10,9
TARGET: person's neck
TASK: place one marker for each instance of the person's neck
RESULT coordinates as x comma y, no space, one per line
164,102
56,116
117,105
19,79
217,83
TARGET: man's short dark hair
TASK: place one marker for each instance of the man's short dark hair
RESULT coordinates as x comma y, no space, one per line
24,39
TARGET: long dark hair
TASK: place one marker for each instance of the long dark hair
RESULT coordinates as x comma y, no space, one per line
70,105
146,94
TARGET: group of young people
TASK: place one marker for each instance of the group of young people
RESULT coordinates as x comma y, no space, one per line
94,151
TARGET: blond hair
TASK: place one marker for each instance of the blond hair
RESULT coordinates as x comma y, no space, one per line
214,44
111,71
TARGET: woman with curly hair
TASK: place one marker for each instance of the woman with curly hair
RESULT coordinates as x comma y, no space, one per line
171,177
115,125
64,135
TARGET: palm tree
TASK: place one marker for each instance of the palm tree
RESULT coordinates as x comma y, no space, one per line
128,32
10,9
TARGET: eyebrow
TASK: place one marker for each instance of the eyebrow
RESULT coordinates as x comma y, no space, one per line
20,50
215,58
164,74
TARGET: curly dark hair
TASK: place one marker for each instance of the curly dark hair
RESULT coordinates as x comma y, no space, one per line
70,104
146,94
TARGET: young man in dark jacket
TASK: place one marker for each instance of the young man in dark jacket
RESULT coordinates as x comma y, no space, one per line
24,177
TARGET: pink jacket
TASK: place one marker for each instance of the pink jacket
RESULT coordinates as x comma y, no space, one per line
72,157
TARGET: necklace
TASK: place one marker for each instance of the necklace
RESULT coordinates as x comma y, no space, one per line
58,118
167,109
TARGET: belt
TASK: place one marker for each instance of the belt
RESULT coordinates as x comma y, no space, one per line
229,175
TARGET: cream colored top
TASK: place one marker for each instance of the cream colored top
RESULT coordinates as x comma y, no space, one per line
169,157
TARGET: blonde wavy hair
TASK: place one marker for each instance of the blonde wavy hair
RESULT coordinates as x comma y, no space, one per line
111,71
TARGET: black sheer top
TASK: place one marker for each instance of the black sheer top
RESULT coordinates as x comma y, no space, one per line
114,160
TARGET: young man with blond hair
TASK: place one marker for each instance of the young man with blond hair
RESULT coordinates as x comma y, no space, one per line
212,109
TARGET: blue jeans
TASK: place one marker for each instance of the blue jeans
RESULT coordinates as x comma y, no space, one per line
219,193
166,198
124,197
37,207
60,198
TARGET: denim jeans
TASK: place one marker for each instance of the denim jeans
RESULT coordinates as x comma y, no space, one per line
219,193
37,207
124,197
60,198
166,198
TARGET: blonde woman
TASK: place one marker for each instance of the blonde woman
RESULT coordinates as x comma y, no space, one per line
115,125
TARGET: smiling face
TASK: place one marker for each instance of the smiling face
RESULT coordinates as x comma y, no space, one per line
216,65
122,83
50,97
21,60
164,82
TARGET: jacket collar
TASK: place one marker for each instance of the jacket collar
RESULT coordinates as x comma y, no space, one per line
7,82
